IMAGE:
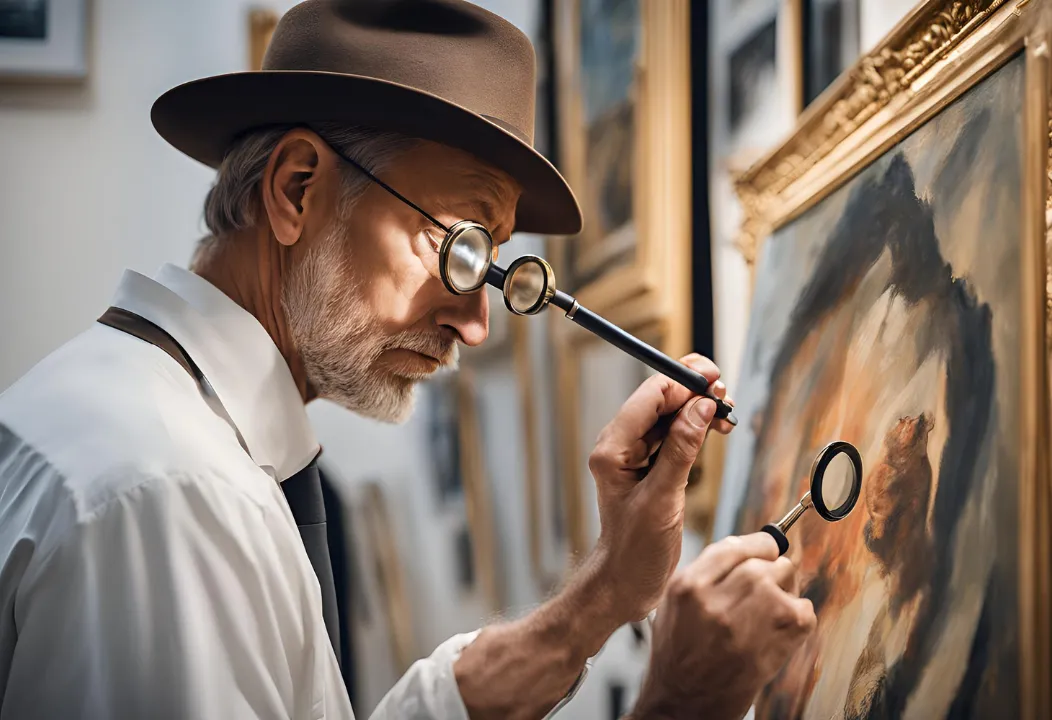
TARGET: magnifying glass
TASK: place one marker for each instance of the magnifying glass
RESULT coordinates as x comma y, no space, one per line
528,285
836,483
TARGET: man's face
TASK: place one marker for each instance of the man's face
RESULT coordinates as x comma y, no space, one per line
363,299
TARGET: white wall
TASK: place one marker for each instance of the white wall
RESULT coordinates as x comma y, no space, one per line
879,17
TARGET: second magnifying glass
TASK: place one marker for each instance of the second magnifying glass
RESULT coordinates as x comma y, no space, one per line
836,483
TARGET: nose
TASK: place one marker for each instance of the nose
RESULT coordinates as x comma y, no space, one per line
468,315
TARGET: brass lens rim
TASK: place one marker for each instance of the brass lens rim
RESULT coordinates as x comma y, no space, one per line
448,241
546,294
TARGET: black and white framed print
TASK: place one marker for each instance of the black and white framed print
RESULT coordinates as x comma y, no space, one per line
43,39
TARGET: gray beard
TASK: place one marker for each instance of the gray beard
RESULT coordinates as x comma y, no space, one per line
340,342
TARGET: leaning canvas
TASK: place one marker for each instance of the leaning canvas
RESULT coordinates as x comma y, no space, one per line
899,304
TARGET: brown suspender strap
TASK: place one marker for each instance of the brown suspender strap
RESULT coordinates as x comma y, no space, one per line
143,329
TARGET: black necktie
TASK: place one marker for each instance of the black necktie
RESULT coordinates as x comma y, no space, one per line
304,495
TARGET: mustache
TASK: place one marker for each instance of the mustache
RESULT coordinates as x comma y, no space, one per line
440,346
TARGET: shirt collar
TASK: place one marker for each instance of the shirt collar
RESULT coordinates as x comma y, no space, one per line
238,358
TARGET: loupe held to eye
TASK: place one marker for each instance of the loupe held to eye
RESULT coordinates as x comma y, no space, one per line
528,285
836,483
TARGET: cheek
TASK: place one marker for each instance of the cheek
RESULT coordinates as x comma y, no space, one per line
398,288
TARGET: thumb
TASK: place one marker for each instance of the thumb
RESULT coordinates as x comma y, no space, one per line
685,437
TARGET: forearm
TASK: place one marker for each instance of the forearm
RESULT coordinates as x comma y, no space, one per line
521,669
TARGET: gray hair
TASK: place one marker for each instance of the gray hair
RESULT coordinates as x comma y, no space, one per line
233,201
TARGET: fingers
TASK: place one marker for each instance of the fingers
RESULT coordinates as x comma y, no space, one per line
783,571
717,561
806,620
656,397
685,437
723,427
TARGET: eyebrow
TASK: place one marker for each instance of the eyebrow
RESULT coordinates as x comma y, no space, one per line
487,207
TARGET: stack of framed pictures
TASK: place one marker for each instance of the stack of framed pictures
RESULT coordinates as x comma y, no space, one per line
623,96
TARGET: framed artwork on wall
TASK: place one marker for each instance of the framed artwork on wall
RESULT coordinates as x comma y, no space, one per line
623,90
43,39
884,315
261,24
754,101
832,42
386,572
648,289
461,487
598,45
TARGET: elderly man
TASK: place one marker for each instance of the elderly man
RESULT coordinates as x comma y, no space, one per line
158,491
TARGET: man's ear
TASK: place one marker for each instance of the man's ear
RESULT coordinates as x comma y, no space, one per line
291,194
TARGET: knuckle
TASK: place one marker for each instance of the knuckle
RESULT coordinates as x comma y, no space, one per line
601,458
680,588
805,617
754,573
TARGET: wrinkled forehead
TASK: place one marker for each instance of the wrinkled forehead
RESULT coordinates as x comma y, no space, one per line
457,184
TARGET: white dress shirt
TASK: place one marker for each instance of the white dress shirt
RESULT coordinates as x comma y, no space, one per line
149,565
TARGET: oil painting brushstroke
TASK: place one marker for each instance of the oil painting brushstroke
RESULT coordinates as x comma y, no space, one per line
888,315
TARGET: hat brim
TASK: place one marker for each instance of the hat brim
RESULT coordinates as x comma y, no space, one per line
203,117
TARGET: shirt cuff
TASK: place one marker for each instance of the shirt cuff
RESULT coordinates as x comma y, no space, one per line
429,688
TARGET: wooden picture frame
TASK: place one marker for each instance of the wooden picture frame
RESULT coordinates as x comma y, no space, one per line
736,55
478,495
920,73
651,295
390,574
261,24
509,345
659,96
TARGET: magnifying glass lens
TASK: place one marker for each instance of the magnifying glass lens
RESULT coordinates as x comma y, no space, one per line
836,480
468,258
837,483
526,286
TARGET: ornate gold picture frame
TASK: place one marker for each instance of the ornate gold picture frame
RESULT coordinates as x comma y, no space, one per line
944,52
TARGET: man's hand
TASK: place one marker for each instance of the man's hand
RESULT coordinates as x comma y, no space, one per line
726,626
641,500
521,669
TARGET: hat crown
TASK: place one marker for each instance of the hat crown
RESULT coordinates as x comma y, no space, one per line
448,48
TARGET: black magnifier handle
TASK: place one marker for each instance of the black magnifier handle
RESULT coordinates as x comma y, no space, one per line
641,351
779,537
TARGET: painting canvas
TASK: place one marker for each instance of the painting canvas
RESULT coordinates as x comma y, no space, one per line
889,315
608,48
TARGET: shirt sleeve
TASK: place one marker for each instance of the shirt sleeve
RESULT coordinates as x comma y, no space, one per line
178,598
429,691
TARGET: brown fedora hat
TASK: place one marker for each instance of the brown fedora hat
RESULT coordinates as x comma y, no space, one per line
440,70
